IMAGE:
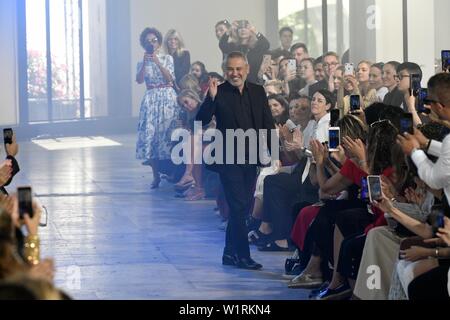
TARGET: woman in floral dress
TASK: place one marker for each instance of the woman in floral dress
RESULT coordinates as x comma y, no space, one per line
160,112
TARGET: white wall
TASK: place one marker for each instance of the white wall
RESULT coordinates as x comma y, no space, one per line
442,26
8,65
195,19
389,30
420,34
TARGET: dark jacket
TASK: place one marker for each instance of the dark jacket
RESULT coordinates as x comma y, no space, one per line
223,108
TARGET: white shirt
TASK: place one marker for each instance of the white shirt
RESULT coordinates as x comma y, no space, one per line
381,93
315,131
435,175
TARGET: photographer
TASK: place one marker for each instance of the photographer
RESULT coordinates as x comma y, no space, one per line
244,37
159,108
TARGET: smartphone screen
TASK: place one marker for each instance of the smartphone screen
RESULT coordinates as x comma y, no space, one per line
445,55
436,218
374,184
334,114
423,94
415,84
334,139
364,189
25,201
355,103
8,135
406,123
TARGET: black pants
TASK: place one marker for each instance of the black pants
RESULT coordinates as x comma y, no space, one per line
281,193
238,183
430,286
350,255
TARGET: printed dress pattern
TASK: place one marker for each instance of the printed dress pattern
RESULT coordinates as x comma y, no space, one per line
159,113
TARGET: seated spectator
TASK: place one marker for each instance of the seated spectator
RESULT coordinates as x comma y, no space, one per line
198,70
190,82
330,64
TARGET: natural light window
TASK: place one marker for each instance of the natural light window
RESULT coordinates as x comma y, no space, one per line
76,143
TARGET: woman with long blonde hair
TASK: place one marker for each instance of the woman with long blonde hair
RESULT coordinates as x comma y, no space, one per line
174,45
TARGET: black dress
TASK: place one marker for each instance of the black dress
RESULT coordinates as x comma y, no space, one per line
182,65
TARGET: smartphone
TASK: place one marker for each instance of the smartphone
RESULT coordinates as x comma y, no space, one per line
406,123
334,139
355,103
423,94
415,84
445,55
374,188
349,69
291,125
334,117
292,66
8,136
364,189
436,218
242,24
25,197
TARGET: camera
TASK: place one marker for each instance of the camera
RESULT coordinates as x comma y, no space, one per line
25,197
8,136
149,48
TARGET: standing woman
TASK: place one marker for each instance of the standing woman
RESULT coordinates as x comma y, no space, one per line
198,69
174,46
159,109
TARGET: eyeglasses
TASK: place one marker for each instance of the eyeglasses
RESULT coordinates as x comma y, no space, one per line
401,76
154,40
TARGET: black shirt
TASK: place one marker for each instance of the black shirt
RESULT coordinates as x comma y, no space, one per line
182,65
394,98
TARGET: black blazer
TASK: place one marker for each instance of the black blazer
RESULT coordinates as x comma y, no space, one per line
223,108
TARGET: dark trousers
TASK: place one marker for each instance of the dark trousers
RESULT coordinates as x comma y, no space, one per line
281,193
430,286
238,183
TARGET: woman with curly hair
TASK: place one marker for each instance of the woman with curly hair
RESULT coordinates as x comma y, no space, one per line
159,108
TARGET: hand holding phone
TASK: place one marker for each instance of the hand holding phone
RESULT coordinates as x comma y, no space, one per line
334,139
355,103
415,84
406,124
25,197
8,136
349,69
292,66
374,188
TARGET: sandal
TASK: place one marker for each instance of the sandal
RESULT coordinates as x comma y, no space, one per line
195,194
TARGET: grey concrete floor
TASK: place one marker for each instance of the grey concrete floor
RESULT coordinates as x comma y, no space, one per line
114,238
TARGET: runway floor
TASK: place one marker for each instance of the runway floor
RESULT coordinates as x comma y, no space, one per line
114,238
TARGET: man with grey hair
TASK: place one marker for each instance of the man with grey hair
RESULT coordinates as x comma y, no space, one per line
237,105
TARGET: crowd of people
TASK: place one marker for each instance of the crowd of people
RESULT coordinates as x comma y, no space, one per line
314,202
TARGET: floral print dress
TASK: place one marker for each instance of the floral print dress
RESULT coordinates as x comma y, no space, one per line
159,112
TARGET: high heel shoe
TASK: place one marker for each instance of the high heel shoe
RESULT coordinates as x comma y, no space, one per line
184,182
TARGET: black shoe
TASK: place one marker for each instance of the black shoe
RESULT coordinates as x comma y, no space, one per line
248,263
229,260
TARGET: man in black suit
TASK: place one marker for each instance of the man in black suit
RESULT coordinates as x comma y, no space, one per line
237,104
